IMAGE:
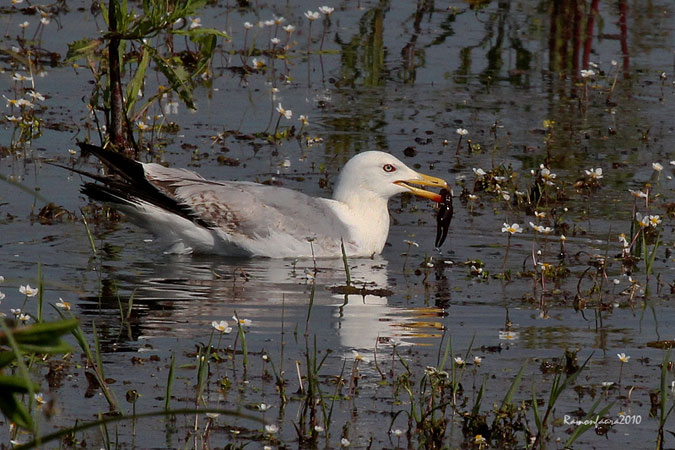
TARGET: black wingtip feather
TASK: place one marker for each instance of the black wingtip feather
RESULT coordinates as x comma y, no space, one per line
128,185
125,167
104,194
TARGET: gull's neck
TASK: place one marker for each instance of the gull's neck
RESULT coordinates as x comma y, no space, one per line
367,215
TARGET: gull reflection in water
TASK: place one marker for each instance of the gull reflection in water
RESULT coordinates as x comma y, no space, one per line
181,296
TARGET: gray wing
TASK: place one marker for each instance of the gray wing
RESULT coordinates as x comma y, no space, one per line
248,211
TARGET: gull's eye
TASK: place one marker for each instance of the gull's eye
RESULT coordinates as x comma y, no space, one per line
388,168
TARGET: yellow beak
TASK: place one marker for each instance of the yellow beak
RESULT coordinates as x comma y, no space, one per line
424,180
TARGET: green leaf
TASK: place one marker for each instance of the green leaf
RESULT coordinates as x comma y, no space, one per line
177,76
512,389
535,409
15,383
104,13
134,87
41,334
6,359
56,347
207,45
201,32
15,411
587,422
479,398
84,48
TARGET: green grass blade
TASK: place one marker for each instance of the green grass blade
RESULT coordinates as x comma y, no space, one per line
587,422
512,389
169,382
344,261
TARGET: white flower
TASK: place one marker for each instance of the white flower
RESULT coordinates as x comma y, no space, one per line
643,222
271,429
2,296
142,125
614,62
541,229
24,317
287,113
312,15
23,102
477,360
411,243
587,73
263,407
654,220
397,432
513,229
195,23
19,77
63,304
28,291
39,398
35,95
344,442
480,173
258,63
275,41
657,167
269,22
595,174
459,361
358,357
462,131
318,428
547,175
303,119
289,28
327,10
248,25
638,194
24,25
221,326
44,21
539,214
278,20
242,321
623,357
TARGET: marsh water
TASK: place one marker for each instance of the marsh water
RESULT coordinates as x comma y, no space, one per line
401,77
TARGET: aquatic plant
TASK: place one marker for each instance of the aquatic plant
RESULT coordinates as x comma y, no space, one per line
129,47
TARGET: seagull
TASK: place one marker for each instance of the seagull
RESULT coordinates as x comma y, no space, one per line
190,214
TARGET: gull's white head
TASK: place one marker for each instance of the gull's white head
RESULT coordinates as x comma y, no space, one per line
380,175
